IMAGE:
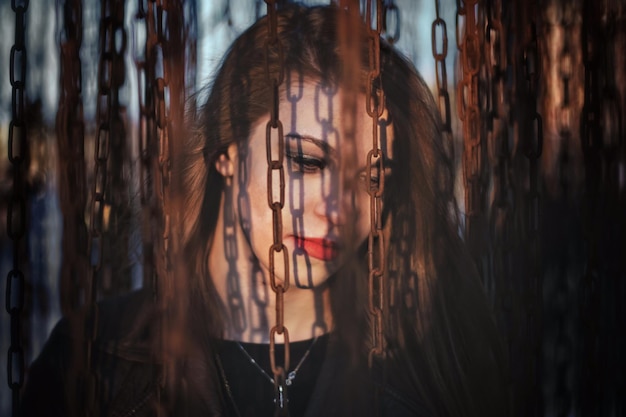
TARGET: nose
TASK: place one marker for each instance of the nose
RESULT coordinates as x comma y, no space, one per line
332,209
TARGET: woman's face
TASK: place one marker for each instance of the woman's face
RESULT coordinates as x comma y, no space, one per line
317,215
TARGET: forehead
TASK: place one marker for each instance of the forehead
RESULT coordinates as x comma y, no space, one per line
332,114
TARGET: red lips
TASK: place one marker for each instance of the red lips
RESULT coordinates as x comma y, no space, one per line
323,249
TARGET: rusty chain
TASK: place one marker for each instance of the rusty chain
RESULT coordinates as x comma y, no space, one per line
145,62
503,210
375,106
162,67
110,129
116,277
16,213
162,96
496,140
469,42
392,23
273,53
439,46
70,126
163,91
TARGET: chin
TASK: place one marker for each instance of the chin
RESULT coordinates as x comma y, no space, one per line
309,276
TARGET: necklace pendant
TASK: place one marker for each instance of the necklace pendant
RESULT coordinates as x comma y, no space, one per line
281,397
281,401
290,378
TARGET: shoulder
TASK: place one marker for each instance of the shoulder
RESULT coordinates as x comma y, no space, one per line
120,351
127,325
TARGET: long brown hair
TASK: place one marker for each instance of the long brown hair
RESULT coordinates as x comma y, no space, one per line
441,339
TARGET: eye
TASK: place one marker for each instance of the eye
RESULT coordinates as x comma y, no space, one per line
307,164
373,180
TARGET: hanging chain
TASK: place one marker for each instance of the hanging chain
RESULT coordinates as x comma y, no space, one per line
502,212
566,72
276,200
497,143
109,129
16,214
70,126
375,106
469,40
169,106
145,35
116,277
161,65
162,95
391,22
439,45
439,39
154,136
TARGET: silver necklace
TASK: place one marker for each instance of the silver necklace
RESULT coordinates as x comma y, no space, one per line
290,376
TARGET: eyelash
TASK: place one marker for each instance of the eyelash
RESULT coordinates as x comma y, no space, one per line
307,164
374,179
310,165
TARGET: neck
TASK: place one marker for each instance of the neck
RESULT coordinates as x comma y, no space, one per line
250,304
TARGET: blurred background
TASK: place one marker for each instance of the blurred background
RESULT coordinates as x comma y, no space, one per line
532,97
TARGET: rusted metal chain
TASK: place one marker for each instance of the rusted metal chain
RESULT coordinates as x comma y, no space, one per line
275,142
439,46
70,128
469,41
16,213
144,41
375,180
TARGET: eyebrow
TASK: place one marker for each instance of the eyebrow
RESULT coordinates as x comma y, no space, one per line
323,145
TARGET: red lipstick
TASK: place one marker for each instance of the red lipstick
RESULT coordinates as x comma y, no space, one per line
324,249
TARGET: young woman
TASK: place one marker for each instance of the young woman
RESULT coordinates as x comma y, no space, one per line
441,351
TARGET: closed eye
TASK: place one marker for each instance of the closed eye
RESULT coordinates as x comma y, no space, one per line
306,164
373,180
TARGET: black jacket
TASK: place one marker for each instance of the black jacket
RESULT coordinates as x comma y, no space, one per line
130,382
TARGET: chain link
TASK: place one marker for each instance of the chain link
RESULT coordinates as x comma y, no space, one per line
469,43
162,113
275,142
392,23
493,102
70,128
439,46
16,214
109,129
162,67
145,62
375,106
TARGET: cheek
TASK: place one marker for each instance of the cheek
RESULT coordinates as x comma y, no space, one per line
361,216
255,197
